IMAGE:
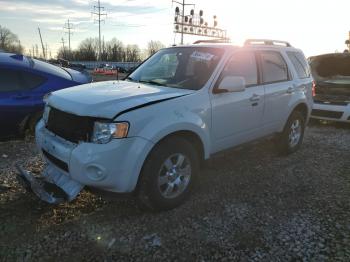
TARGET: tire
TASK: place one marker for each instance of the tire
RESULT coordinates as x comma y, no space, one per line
290,140
168,175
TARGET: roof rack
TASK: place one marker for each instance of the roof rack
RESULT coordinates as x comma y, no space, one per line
266,42
212,41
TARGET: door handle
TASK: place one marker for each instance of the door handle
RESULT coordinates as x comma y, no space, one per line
254,98
290,90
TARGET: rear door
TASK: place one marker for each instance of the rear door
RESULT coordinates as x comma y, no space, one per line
17,98
278,87
237,116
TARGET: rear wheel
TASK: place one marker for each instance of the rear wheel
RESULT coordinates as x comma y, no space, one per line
168,174
292,136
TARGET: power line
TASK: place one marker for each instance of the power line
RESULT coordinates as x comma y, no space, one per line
68,26
99,11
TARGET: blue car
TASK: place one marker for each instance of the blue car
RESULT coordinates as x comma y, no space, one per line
23,84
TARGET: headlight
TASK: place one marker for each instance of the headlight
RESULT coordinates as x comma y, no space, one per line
46,114
105,132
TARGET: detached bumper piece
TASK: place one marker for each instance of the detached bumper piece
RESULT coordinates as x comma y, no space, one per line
54,187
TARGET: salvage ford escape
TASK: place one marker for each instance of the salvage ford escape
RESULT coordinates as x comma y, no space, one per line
149,133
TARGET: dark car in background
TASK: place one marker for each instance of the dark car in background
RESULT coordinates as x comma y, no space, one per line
23,84
331,73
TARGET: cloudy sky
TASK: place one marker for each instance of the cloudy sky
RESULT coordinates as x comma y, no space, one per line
316,26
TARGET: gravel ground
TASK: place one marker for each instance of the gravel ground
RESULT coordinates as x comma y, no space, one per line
250,205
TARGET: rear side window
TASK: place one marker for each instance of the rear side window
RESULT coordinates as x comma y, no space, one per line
243,64
300,64
13,80
31,81
274,68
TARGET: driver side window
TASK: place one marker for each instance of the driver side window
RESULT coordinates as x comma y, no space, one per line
242,64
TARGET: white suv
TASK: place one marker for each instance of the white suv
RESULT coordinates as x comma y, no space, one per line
148,134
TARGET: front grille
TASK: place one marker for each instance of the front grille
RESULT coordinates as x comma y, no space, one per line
70,127
326,113
59,163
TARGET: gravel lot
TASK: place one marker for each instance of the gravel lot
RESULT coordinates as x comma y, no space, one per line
250,205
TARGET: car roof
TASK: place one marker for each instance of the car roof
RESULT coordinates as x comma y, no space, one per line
23,62
11,59
230,46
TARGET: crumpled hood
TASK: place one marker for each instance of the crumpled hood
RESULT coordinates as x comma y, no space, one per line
107,99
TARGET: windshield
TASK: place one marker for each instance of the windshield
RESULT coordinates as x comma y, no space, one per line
333,68
184,67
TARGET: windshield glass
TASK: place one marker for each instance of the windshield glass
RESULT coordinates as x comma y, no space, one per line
184,67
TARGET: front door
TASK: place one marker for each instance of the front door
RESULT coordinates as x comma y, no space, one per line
237,116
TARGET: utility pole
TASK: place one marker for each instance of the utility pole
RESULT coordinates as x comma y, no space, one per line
42,44
183,4
64,50
99,12
68,26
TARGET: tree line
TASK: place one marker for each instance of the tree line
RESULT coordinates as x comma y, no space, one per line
9,42
87,50
112,50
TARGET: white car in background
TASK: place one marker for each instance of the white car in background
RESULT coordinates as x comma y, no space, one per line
331,73
148,135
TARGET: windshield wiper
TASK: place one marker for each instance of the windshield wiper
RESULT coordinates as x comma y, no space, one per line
151,82
130,79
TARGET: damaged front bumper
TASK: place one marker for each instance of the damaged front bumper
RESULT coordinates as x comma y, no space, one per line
53,187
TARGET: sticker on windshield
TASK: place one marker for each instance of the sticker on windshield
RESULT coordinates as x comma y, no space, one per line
202,56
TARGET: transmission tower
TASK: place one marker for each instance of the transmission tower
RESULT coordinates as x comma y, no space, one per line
100,13
68,26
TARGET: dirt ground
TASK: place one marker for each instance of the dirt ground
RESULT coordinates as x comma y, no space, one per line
250,204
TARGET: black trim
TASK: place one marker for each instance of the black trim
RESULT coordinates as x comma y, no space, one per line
59,163
327,113
146,104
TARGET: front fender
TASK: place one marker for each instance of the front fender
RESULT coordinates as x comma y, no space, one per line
160,120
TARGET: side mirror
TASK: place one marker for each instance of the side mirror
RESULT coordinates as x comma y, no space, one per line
231,84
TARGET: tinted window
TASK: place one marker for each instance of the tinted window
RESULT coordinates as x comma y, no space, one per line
300,64
244,65
274,68
31,81
9,80
13,80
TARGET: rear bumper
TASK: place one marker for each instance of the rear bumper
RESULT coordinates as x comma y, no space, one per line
340,113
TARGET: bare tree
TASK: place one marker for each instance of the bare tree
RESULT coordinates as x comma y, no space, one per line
154,46
88,50
9,41
133,53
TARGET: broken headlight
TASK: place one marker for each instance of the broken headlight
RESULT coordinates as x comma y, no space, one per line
105,132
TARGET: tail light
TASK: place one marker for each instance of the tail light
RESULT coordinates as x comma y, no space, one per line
313,88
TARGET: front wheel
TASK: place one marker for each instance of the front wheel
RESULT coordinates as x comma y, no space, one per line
168,174
292,136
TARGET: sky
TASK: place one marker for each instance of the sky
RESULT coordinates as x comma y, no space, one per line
315,26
